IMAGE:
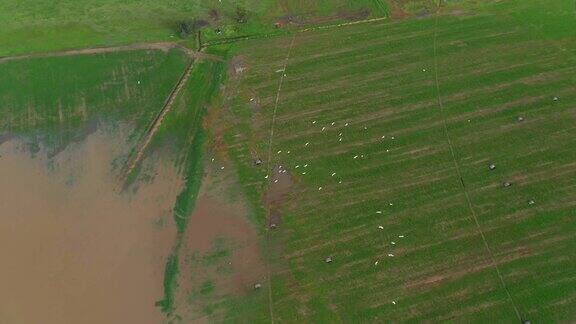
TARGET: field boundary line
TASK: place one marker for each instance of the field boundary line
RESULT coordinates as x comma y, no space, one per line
161,46
459,174
357,22
292,32
271,170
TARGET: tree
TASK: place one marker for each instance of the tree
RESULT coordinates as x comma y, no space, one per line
185,28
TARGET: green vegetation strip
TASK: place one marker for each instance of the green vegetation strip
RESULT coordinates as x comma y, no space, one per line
182,129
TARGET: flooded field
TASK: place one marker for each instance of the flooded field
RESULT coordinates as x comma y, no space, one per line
221,255
75,249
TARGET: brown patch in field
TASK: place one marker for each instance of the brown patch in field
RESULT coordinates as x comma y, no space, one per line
311,19
236,67
74,250
214,218
217,130
288,20
396,11
354,15
220,246
459,12
280,185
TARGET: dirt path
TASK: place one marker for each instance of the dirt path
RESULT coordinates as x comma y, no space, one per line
161,46
270,167
155,125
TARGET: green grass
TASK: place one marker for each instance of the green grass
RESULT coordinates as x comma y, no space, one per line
41,25
54,101
170,276
496,63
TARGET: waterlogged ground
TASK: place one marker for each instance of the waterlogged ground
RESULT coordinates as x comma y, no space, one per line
74,249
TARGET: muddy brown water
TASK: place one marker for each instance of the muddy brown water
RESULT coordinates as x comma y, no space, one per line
73,249
217,218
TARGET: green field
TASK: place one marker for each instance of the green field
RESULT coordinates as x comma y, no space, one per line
41,26
387,129
53,101
409,91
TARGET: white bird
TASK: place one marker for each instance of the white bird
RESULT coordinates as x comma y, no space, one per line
333,173
379,212
376,263
401,236
393,243
390,254
381,227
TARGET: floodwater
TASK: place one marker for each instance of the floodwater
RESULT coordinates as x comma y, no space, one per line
73,249
216,218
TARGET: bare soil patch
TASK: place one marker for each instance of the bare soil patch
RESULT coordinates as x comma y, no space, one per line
396,11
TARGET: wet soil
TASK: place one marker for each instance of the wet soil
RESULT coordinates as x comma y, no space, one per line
221,247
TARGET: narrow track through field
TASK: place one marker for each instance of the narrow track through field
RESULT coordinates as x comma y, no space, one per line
157,121
160,46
